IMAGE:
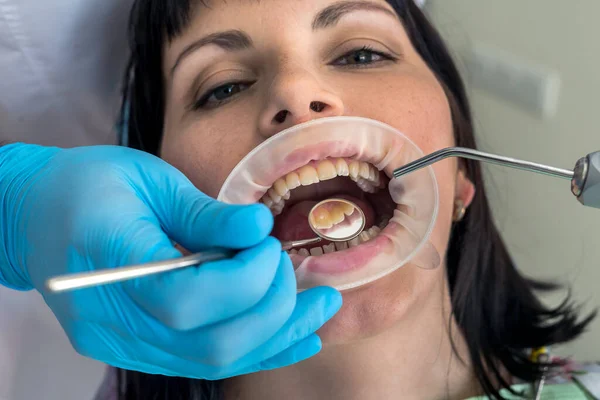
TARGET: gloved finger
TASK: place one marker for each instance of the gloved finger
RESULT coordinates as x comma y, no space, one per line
304,349
111,347
192,297
313,308
300,351
114,347
224,343
129,234
197,221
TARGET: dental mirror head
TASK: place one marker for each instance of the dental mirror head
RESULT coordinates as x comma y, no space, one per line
336,220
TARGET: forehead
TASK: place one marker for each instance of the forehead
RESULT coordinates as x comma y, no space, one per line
272,18
273,8
211,15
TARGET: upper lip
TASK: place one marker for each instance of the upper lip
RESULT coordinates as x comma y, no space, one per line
300,157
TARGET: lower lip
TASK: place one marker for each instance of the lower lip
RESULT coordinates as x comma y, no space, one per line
351,259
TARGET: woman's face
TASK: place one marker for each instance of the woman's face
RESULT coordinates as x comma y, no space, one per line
255,67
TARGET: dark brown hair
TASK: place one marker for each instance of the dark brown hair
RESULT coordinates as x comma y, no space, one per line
494,305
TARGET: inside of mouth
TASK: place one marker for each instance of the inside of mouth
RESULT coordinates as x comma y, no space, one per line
292,197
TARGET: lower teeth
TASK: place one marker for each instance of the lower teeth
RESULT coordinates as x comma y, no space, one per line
383,222
365,236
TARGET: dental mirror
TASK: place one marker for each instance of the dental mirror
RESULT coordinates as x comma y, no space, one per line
335,220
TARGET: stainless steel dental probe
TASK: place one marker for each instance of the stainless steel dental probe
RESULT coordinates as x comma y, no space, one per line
352,224
585,177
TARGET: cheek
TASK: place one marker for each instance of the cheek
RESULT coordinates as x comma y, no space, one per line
416,105
206,152
445,173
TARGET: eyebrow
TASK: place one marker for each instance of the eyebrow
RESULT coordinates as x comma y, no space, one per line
236,40
232,40
331,15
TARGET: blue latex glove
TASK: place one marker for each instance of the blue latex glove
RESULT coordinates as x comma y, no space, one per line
66,211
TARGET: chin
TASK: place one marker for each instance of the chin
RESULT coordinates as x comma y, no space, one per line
380,306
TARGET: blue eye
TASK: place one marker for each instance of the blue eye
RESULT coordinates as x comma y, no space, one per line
220,95
364,56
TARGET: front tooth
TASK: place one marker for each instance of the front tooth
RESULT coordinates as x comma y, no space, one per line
280,187
292,180
316,251
320,218
364,236
330,248
336,215
341,166
353,169
268,202
293,251
303,252
347,208
308,175
364,170
326,170
325,219
354,242
341,246
276,198
286,196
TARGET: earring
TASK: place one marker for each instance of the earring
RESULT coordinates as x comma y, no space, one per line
459,211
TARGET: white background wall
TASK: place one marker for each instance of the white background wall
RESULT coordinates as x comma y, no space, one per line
549,234
61,64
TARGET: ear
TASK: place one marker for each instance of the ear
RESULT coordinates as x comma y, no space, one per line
464,189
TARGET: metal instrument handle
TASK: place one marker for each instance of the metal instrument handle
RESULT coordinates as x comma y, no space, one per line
93,278
481,156
112,275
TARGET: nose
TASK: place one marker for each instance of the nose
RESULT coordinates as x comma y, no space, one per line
294,98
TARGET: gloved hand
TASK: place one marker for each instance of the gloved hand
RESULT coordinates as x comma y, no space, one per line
65,211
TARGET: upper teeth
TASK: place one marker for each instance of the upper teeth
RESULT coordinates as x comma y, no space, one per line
324,218
364,174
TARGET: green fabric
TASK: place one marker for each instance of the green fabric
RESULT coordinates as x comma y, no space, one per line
564,391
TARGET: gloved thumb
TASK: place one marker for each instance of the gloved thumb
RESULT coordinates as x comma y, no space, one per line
197,221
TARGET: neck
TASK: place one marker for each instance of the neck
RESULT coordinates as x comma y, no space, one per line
395,364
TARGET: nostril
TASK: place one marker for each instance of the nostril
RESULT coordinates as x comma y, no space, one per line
317,106
280,116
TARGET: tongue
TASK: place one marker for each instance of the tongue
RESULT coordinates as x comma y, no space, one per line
292,224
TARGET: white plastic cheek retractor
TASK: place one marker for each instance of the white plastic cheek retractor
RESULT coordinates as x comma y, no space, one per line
405,238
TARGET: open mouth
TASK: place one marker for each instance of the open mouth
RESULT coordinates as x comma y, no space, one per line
351,158
292,196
